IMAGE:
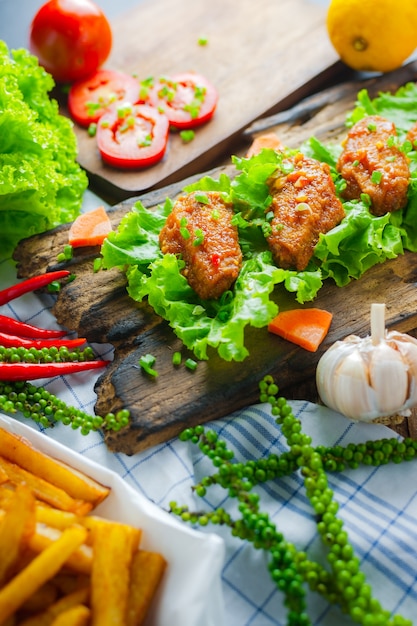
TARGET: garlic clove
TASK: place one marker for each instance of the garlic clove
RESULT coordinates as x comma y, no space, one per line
407,347
351,394
328,365
388,377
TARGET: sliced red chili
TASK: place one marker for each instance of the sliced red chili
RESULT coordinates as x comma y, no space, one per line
33,371
23,329
13,341
187,99
30,284
133,137
89,99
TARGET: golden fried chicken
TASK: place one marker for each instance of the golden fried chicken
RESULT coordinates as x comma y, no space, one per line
199,230
372,163
304,205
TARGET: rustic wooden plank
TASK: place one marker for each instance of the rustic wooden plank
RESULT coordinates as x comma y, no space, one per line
256,60
97,307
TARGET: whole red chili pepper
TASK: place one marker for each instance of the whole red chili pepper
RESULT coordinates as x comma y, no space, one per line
13,341
22,329
32,371
36,282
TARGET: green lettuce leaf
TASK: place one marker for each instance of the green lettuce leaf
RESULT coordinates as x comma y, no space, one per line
41,184
136,241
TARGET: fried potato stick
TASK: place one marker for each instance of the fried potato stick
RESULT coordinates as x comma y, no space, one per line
15,527
43,489
146,574
77,616
79,561
113,547
20,451
42,568
67,602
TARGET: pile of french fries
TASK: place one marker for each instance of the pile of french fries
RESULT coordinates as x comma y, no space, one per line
61,565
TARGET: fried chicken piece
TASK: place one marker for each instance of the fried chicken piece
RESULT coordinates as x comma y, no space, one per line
372,163
304,205
202,234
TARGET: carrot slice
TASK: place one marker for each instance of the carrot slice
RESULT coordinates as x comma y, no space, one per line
268,140
90,229
305,327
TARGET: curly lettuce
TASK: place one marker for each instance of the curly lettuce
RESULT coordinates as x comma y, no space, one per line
41,184
343,254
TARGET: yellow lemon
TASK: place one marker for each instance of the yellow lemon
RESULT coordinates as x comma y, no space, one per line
373,35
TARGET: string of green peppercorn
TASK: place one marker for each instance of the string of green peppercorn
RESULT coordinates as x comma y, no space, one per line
254,526
52,354
41,406
345,584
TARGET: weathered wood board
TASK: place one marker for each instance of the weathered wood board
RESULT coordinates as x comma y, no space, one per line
97,307
259,61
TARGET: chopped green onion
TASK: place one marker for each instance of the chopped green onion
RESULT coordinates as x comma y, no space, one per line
176,358
202,41
199,237
376,177
191,364
147,362
92,129
187,135
185,233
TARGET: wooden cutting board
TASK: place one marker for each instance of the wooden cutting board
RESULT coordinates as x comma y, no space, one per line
262,56
97,307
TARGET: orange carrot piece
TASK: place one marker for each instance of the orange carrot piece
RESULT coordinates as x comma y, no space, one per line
305,327
90,229
268,140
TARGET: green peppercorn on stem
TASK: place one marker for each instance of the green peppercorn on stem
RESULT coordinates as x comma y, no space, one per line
343,583
43,407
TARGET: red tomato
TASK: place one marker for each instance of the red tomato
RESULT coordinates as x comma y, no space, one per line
133,136
187,99
89,99
71,38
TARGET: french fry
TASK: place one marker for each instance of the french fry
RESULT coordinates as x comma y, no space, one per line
64,604
42,568
56,517
113,547
147,570
43,489
47,617
77,616
79,561
60,565
16,526
20,451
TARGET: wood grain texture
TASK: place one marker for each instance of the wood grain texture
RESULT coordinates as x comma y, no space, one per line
255,58
97,307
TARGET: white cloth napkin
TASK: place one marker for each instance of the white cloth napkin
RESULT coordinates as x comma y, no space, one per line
377,505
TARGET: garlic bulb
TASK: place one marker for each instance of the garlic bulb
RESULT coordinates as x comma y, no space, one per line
370,378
